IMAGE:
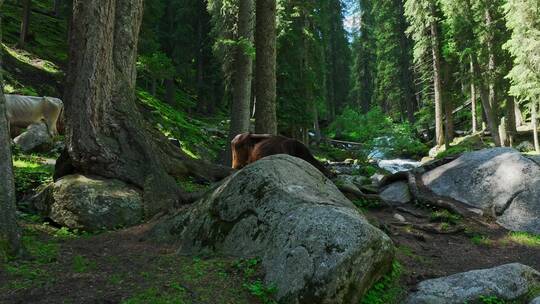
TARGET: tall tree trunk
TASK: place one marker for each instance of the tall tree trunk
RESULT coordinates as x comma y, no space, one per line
437,86
534,111
106,135
202,97
492,96
170,92
9,230
25,22
56,7
265,81
510,121
240,108
473,97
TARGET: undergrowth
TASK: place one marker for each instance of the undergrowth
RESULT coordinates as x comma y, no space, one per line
388,289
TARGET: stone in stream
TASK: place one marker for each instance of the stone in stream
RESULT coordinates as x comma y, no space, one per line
396,194
499,181
507,282
314,245
398,165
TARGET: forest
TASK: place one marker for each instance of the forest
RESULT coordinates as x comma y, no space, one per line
270,151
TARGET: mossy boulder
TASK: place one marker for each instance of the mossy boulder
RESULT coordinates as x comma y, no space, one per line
315,246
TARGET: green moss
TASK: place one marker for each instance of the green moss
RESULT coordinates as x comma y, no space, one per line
30,173
388,289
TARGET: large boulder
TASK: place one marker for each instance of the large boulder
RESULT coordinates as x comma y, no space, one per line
500,181
90,203
36,138
315,246
508,282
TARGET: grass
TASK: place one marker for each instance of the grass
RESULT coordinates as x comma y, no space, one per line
481,240
157,296
445,216
30,173
524,238
82,264
388,289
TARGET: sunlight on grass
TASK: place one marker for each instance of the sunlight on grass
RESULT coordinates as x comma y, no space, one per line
523,238
29,59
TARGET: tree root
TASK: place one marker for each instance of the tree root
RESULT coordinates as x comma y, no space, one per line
430,228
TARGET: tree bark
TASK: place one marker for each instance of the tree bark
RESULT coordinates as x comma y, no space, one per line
25,22
106,135
491,112
439,133
170,92
534,109
240,108
473,97
265,81
56,7
9,229
510,121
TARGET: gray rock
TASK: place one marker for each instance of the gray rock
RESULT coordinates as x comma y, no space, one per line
399,217
398,165
525,146
36,138
396,194
90,204
351,180
376,179
314,245
500,181
508,282
535,301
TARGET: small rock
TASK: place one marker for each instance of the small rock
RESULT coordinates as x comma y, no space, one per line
35,139
376,179
399,217
507,282
535,301
396,194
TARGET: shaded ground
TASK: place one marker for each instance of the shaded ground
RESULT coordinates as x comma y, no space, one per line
117,267
426,255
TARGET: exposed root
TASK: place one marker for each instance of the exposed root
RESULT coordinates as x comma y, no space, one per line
431,228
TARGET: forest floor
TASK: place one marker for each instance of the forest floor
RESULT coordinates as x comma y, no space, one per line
118,267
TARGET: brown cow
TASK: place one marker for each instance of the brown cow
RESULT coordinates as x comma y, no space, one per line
248,148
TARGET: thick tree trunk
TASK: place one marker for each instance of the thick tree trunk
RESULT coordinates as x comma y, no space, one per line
265,81
25,22
240,108
9,230
437,86
491,112
534,112
106,135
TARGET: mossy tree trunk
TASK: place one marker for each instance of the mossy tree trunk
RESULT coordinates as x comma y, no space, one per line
265,70
9,230
106,135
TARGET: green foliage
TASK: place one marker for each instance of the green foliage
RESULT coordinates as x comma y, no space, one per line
30,173
388,289
156,296
491,300
82,264
157,65
445,216
377,130
367,203
261,291
481,240
524,238
191,132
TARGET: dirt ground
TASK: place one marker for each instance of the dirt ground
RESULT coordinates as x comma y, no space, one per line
466,245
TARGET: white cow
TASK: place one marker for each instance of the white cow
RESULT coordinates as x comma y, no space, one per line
23,111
